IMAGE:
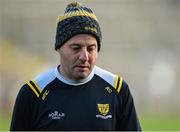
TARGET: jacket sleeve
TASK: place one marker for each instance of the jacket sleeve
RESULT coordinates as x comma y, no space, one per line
127,117
21,117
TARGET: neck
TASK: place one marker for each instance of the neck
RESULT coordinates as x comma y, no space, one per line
71,81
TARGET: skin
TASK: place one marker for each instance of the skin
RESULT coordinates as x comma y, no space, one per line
78,56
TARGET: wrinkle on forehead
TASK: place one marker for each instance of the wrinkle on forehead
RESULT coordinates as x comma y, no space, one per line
82,39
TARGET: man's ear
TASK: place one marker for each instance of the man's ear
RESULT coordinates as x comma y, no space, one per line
58,50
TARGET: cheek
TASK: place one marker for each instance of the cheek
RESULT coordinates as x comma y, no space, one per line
63,59
67,59
94,58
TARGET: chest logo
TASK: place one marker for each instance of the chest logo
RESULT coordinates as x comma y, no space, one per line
56,115
103,110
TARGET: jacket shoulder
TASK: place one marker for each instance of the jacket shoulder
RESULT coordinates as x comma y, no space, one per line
38,84
114,80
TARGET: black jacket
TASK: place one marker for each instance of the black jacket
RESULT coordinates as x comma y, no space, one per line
50,102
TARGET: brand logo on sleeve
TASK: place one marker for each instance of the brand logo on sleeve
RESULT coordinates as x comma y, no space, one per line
45,94
109,90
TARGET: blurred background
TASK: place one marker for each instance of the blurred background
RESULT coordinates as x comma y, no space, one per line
141,42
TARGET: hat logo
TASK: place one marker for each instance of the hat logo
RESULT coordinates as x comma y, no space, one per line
91,29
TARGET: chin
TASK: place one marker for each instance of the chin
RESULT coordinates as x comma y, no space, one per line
82,75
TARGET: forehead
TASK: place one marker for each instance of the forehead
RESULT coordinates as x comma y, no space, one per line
82,39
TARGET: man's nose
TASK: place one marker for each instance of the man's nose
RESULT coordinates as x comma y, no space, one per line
84,55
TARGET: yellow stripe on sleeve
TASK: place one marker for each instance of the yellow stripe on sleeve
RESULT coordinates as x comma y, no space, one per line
115,84
37,86
120,84
33,89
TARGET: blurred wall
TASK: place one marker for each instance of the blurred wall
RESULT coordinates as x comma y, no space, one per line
140,42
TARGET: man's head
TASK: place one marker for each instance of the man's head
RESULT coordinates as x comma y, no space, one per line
78,41
78,56
77,19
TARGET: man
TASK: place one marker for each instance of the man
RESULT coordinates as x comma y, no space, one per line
76,95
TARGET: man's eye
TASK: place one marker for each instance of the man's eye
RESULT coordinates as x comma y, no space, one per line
75,47
91,48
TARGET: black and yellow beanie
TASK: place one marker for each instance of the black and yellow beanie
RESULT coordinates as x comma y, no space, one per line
77,19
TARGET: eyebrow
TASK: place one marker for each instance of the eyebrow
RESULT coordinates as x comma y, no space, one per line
77,44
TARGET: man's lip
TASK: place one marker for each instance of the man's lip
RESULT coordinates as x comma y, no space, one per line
82,66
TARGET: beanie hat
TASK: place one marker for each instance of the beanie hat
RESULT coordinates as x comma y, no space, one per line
77,19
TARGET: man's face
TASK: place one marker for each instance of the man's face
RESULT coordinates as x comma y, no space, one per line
78,56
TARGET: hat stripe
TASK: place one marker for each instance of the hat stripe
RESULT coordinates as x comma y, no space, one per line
76,13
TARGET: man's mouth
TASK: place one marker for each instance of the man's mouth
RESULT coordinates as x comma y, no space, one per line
82,67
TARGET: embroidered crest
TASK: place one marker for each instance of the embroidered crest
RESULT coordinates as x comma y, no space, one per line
103,109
